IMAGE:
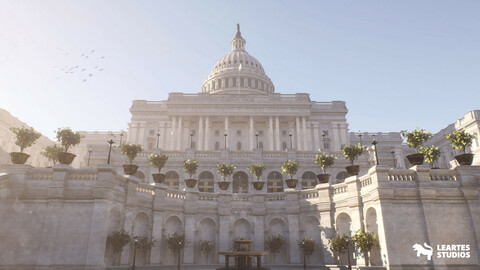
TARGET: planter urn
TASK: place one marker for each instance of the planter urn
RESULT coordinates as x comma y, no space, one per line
353,170
130,169
323,178
66,158
158,178
190,183
19,157
291,183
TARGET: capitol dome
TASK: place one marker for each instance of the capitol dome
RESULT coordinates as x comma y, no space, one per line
238,72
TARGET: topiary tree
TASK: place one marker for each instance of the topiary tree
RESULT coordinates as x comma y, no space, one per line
324,161
338,245
117,240
352,152
290,167
67,137
190,167
306,247
176,243
158,161
275,243
145,245
206,247
130,150
431,154
257,170
364,241
416,138
51,153
460,139
225,170
25,137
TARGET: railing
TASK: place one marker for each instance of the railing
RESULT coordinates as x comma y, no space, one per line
241,154
208,154
309,194
365,182
442,175
40,174
401,175
241,197
174,194
203,196
275,197
340,188
271,154
83,176
146,188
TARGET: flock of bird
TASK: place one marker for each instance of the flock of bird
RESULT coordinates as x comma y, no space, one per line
86,67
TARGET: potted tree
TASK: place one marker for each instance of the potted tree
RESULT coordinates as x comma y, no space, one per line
431,154
257,170
224,170
416,139
24,137
461,140
51,153
145,245
364,241
158,161
190,167
206,247
306,247
130,151
324,161
338,245
176,243
351,153
290,167
274,244
67,138
117,240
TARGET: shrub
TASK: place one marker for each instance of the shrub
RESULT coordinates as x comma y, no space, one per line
257,170
275,243
25,137
51,153
431,154
190,167
306,247
206,247
324,161
225,170
338,245
158,161
416,138
364,241
118,240
352,152
130,150
67,137
460,139
290,167
176,243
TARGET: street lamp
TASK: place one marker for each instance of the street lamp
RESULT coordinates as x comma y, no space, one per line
89,153
323,138
225,136
360,137
290,135
393,158
110,150
348,253
256,137
158,138
135,240
121,137
303,251
191,139
374,142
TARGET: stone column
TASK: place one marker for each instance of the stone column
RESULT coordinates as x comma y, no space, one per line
223,236
316,137
277,133
98,234
327,233
162,131
172,134
343,133
251,133
132,132
297,138
305,142
200,133
293,236
270,132
179,134
206,146
227,131
336,138
188,253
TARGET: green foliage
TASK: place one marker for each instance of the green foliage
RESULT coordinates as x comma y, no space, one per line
51,153
190,166
324,161
225,170
158,161
206,247
352,152
460,139
67,137
306,246
130,150
290,167
176,242
257,170
364,241
275,243
145,243
118,239
416,138
338,244
431,154
25,137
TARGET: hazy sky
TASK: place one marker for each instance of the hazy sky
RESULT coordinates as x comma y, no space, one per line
398,65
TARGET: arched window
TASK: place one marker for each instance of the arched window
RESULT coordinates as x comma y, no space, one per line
309,180
171,179
326,143
205,182
341,176
240,183
274,182
239,146
260,145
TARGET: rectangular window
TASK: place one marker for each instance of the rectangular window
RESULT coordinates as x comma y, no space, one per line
284,146
239,133
284,133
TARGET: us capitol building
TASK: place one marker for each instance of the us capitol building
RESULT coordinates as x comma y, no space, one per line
59,217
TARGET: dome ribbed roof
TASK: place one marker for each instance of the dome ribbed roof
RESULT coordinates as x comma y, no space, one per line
238,72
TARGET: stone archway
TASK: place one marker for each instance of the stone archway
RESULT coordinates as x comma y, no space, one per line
310,228
275,227
172,225
372,226
205,231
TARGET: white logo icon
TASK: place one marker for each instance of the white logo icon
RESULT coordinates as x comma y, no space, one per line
427,250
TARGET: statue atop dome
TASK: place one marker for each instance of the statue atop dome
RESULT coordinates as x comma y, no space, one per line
238,43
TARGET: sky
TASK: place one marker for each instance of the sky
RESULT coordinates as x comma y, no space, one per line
397,65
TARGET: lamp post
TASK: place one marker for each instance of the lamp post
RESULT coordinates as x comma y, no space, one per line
256,137
121,137
89,153
110,150
225,136
135,240
348,253
393,158
303,251
191,139
323,139
290,135
360,137
374,142
158,138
